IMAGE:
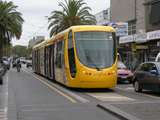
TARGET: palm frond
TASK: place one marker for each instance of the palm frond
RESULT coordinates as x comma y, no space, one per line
74,12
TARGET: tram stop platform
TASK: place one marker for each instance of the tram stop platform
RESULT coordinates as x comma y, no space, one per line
146,110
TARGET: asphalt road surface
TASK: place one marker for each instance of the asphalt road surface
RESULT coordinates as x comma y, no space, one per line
31,99
27,96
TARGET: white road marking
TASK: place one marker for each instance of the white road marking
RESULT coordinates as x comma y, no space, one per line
3,114
142,94
53,88
66,91
151,96
129,88
4,111
125,89
110,97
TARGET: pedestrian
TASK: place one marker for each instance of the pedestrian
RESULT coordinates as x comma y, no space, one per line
18,65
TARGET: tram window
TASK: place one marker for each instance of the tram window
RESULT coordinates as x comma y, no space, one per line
71,57
59,54
52,61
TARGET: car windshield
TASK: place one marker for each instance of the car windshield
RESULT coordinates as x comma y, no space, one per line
121,65
158,66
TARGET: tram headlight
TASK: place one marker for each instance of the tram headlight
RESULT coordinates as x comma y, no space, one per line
84,72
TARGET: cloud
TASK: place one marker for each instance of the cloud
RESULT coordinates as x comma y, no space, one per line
34,12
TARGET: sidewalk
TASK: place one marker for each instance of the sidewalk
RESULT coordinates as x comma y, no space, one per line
4,98
148,110
144,111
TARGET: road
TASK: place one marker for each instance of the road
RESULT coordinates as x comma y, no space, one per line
33,97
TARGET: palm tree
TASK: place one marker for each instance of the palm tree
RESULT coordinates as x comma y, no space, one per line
10,23
74,12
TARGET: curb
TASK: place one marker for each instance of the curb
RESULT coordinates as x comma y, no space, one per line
72,94
57,86
68,92
117,112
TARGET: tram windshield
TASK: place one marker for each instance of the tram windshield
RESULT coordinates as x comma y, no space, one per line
96,49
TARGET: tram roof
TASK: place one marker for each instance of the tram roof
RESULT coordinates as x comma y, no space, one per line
74,29
40,44
91,28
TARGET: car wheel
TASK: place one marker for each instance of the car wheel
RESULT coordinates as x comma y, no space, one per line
130,81
137,86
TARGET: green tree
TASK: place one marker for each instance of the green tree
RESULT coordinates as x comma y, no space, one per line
74,12
7,49
20,51
10,23
29,52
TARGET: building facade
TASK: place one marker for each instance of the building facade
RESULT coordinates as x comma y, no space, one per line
152,28
152,8
131,11
136,47
103,17
35,40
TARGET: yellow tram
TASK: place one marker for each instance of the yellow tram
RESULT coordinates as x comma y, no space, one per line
79,57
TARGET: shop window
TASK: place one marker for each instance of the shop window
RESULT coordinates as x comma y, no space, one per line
154,14
132,27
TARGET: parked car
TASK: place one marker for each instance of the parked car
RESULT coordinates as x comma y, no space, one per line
1,72
6,62
28,63
147,76
23,60
124,74
158,57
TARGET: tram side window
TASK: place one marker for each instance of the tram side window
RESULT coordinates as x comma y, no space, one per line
59,54
71,57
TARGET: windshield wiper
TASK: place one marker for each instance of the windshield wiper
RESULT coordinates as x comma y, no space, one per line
97,68
92,63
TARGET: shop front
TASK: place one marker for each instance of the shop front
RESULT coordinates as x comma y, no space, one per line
139,48
153,39
125,49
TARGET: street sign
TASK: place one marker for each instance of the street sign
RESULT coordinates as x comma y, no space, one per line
126,39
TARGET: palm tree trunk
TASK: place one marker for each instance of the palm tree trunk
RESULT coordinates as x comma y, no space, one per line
1,50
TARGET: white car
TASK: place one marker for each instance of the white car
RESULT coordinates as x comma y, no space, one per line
158,57
28,63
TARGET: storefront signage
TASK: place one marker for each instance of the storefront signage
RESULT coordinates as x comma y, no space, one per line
121,28
140,38
141,47
126,39
153,35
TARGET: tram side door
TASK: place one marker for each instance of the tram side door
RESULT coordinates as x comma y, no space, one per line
59,61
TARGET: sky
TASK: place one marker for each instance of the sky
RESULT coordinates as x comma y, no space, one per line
35,13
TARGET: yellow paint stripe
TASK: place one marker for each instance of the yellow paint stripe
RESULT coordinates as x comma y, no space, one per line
53,88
